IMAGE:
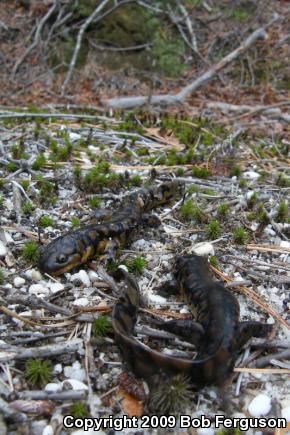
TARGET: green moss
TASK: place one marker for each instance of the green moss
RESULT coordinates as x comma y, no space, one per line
261,214
283,212
46,191
191,211
30,252
27,208
39,162
243,183
241,235
223,210
200,172
101,326
283,181
75,222
252,201
1,201
136,181
180,172
2,183
2,276
38,372
142,151
136,265
100,176
46,221
214,261
25,184
94,202
235,171
213,229
79,410
11,167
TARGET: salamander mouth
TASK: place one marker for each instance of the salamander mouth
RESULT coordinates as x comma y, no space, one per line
52,268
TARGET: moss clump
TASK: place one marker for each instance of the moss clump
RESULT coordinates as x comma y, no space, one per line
2,276
283,212
180,172
100,176
283,181
261,215
38,372
172,395
200,172
46,221
1,201
75,222
252,200
135,181
46,191
30,252
223,210
101,326
191,211
243,183
79,410
25,184
235,171
39,162
94,202
213,229
136,265
214,261
11,167
241,235
27,208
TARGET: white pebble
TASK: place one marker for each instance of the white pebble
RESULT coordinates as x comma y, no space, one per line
57,369
74,136
155,299
88,432
38,290
81,302
53,387
285,413
84,277
204,249
251,175
48,430
205,431
75,372
123,267
285,244
74,384
18,281
260,405
56,287
3,249
33,274
93,276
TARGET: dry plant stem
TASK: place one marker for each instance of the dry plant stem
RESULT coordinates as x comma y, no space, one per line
167,99
36,37
43,395
8,353
270,371
265,360
47,115
254,297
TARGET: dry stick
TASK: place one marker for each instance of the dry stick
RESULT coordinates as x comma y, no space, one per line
265,360
129,102
36,37
43,395
252,295
8,353
92,18
268,248
47,115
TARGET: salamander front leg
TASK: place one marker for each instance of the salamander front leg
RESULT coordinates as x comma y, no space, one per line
169,288
111,248
251,329
185,328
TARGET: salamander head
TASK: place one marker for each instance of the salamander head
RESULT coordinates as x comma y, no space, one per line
60,256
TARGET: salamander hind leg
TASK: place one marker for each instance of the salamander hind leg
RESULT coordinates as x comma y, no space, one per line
185,328
251,329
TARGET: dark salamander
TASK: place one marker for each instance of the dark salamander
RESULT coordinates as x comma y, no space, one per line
219,335
77,247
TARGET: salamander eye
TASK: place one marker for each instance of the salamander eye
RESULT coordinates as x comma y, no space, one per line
62,258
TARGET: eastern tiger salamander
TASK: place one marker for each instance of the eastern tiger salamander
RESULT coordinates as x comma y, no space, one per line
218,336
77,247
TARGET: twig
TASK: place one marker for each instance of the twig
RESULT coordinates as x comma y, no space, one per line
8,353
36,37
270,371
47,115
61,396
266,248
265,360
167,99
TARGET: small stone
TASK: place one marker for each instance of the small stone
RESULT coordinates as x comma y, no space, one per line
56,287
84,277
74,136
123,267
3,249
33,274
18,281
204,249
75,371
57,369
285,244
53,387
48,430
260,405
205,431
74,384
38,290
155,299
93,276
81,302
251,175
285,413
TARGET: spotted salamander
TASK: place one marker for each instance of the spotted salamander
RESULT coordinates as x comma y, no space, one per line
218,335
77,247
